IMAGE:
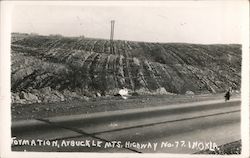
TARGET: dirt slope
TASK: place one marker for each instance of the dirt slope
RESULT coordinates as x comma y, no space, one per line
55,68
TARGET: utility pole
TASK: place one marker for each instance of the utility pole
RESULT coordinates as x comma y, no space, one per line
112,36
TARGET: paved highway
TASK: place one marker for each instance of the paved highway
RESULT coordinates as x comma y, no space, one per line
182,128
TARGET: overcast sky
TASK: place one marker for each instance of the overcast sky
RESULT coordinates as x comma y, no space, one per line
189,22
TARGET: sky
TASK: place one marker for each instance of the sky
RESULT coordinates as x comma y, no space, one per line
186,22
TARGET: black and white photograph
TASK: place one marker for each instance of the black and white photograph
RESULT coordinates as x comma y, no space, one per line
129,77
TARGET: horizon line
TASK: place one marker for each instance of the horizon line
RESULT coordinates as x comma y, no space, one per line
100,38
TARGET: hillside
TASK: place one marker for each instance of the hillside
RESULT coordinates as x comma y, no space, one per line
55,68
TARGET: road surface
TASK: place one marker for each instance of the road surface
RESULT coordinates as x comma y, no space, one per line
183,128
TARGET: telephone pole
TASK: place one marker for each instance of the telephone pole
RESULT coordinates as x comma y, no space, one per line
112,36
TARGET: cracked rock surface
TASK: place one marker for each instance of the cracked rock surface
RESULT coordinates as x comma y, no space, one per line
56,69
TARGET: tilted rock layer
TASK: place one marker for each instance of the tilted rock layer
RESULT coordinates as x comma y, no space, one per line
74,67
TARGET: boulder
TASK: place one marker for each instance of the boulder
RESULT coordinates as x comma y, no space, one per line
51,98
189,93
22,95
14,97
124,93
29,97
85,98
98,94
71,95
60,95
161,91
45,90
